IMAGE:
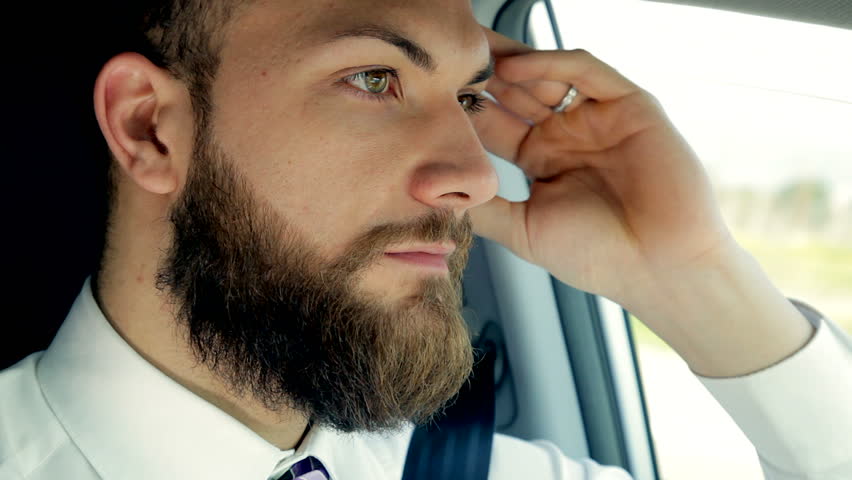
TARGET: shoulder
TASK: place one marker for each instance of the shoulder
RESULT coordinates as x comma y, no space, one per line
511,458
33,444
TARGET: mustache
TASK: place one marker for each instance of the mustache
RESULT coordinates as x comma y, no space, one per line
436,226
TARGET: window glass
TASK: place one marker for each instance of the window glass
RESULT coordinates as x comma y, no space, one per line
767,105
540,28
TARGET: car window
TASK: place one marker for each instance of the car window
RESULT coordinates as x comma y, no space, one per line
767,105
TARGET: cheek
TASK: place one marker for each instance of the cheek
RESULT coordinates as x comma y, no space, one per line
328,180
331,166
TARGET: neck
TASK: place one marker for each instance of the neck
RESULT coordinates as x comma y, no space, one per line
126,293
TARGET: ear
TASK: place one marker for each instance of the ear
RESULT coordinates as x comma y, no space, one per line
145,116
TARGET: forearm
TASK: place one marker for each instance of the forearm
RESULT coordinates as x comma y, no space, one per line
725,318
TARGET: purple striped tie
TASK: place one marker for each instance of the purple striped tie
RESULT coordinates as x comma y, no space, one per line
307,469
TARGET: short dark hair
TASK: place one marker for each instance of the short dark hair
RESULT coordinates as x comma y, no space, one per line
186,37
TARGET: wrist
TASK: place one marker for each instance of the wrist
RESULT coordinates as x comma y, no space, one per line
723,315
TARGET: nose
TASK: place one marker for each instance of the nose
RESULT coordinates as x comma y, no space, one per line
456,172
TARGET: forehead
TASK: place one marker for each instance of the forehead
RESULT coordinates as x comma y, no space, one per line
279,28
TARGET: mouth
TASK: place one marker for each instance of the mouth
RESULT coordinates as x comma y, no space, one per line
433,257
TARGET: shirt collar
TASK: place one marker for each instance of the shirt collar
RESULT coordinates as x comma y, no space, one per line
132,421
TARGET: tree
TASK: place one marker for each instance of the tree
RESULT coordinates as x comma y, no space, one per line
803,204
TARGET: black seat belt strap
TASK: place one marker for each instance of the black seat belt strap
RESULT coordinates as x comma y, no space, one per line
458,445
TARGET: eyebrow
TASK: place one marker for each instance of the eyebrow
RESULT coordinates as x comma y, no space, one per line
415,52
485,73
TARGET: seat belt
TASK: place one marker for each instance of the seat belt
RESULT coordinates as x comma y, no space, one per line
458,445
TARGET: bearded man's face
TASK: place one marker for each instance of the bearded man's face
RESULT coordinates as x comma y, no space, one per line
285,266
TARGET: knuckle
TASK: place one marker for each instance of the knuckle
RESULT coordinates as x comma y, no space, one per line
582,53
651,99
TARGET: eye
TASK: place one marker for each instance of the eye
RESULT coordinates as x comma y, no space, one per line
472,102
372,81
374,84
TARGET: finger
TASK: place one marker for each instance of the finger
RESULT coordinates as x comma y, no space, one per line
500,131
551,93
504,222
547,92
534,99
519,100
589,75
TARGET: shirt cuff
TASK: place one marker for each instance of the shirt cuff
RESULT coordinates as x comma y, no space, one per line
798,412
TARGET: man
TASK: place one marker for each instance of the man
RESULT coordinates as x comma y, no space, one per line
295,188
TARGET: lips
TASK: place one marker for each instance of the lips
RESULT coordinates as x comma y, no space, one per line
423,259
427,256
430,249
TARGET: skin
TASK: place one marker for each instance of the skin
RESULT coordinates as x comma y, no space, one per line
620,205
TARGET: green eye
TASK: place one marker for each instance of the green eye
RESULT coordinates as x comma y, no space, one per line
376,81
376,84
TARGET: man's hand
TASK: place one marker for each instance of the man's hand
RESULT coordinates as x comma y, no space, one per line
621,206
617,194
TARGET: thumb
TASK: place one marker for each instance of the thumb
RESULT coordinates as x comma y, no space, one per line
505,223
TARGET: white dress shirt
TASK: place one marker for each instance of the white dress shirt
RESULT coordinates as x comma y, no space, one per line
90,407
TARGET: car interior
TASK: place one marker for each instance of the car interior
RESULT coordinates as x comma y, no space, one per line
558,363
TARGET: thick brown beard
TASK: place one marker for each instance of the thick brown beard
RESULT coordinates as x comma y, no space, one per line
262,311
